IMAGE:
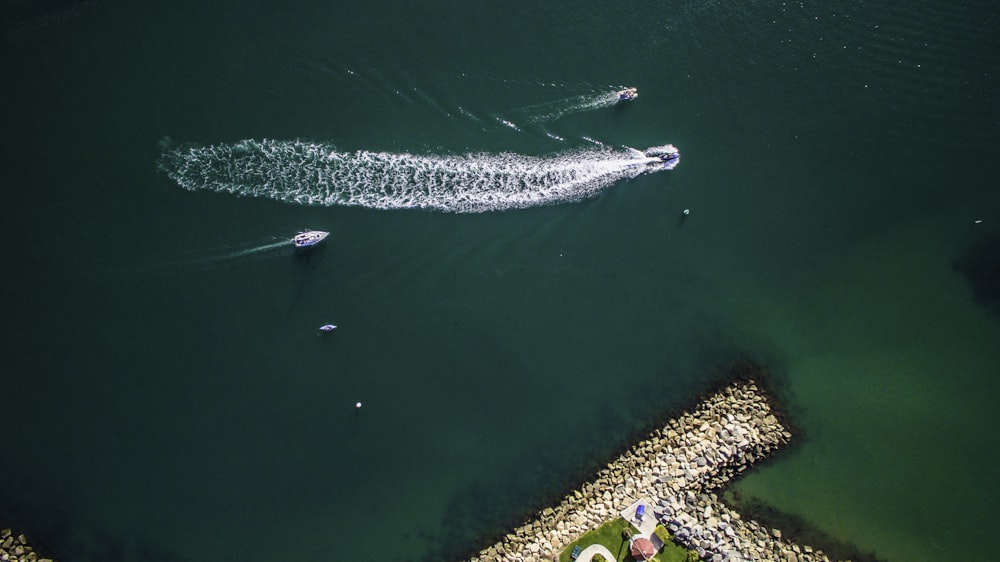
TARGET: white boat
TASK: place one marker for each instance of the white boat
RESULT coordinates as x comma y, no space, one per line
309,238
327,328
628,94
667,154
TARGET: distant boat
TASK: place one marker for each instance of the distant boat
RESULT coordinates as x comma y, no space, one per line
628,94
309,238
327,328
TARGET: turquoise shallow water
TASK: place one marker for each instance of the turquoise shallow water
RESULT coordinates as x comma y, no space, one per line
166,394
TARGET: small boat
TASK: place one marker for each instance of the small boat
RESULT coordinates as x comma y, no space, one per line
667,154
628,94
309,238
327,328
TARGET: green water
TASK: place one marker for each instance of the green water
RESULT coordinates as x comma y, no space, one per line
167,397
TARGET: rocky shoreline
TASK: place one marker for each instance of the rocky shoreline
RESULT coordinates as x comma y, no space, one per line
15,548
677,467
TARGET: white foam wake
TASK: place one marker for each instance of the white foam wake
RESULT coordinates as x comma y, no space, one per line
316,174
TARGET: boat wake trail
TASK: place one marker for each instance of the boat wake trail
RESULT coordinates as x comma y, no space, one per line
213,258
553,110
317,174
200,260
251,251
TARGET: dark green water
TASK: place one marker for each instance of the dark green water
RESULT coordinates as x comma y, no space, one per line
166,397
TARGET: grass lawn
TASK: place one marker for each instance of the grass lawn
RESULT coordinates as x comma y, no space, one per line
610,535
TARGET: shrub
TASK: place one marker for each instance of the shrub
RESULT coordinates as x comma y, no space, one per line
692,556
662,533
598,558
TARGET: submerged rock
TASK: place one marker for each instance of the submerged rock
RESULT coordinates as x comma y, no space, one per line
980,265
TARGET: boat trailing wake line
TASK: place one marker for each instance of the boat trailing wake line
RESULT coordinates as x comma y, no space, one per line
255,250
553,110
203,259
317,174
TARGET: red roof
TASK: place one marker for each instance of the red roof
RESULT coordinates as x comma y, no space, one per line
642,549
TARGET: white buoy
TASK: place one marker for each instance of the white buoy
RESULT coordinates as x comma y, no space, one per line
357,406
687,211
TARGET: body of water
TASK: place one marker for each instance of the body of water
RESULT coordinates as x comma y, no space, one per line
516,296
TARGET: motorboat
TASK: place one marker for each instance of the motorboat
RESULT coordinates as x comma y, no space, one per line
627,94
327,328
309,238
667,155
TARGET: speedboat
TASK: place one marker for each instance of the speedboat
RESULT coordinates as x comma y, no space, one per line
309,238
627,94
667,155
327,328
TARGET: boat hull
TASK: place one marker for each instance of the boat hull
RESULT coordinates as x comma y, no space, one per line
309,238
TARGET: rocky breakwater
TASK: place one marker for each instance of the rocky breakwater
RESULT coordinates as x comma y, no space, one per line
696,451
15,548
702,523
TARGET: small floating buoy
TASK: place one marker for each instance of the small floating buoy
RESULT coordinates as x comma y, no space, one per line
687,212
357,406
